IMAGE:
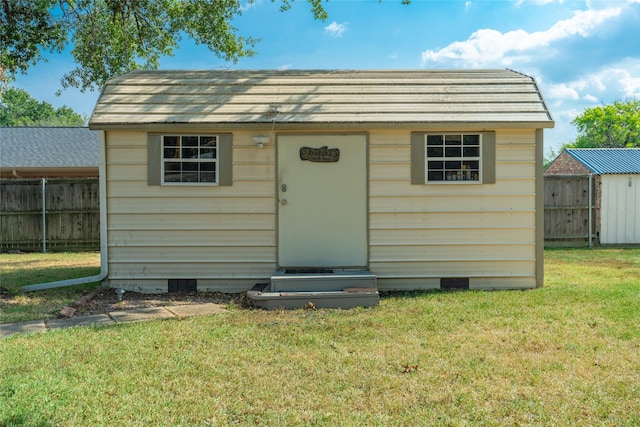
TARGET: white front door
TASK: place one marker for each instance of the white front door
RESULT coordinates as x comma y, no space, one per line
322,209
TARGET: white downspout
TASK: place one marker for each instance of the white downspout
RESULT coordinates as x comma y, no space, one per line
104,266
43,189
590,208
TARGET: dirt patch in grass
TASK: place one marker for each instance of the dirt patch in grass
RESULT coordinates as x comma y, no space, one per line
107,301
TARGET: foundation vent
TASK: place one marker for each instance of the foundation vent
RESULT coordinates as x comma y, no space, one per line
183,285
454,283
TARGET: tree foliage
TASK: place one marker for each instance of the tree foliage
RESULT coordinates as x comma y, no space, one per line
18,108
609,126
110,37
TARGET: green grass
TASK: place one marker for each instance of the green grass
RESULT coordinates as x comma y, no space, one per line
566,354
17,270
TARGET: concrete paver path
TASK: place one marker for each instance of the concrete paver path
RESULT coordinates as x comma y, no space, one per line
136,315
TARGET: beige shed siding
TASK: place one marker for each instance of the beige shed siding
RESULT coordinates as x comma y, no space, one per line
420,233
223,236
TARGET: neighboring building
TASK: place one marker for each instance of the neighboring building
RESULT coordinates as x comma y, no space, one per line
48,152
218,180
616,175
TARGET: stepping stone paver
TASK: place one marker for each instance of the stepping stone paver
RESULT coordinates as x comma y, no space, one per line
22,327
196,309
154,313
98,319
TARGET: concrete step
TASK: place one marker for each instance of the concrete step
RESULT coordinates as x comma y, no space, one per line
321,280
261,297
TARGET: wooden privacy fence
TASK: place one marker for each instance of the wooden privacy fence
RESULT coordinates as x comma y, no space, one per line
567,216
69,221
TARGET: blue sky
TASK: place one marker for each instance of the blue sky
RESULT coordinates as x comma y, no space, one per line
582,53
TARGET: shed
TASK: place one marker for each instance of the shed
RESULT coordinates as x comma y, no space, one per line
616,180
396,180
48,152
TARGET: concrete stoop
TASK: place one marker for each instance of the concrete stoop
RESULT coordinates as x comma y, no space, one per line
293,289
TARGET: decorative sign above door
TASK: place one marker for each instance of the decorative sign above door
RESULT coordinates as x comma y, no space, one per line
322,154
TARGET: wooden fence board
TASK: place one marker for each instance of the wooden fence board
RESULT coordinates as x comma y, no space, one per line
72,214
566,210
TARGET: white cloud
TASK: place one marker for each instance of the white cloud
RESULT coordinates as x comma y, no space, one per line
284,67
490,48
538,2
335,30
562,91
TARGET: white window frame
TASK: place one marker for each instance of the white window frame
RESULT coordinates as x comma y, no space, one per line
198,160
466,173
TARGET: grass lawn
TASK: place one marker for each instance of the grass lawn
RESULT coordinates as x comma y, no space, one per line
17,270
566,354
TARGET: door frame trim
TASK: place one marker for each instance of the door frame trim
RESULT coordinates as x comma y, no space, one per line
367,189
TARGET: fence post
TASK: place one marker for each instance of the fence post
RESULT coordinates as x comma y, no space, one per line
43,183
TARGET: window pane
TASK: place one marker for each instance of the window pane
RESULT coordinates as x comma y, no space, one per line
207,153
170,150
189,153
471,164
189,141
208,141
436,176
207,172
434,151
471,152
452,165
436,165
170,141
434,139
472,140
171,153
453,152
453,139
172,172
190,172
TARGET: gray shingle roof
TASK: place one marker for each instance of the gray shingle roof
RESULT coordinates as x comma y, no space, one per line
48,147
608,160
302,97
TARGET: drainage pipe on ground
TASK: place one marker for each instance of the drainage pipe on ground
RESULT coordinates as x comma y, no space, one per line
103,234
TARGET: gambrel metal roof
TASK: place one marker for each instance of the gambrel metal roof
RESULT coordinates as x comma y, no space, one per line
604,161
290,98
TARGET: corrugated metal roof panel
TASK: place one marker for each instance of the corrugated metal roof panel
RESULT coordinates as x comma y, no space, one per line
244,97
51,147
608,160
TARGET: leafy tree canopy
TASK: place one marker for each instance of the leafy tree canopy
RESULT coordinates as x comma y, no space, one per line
110,37
609,126
18,108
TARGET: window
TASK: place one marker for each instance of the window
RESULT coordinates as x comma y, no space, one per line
189,159
448,157
453,157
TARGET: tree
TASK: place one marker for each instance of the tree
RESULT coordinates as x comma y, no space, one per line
609,126
18,108
110,37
